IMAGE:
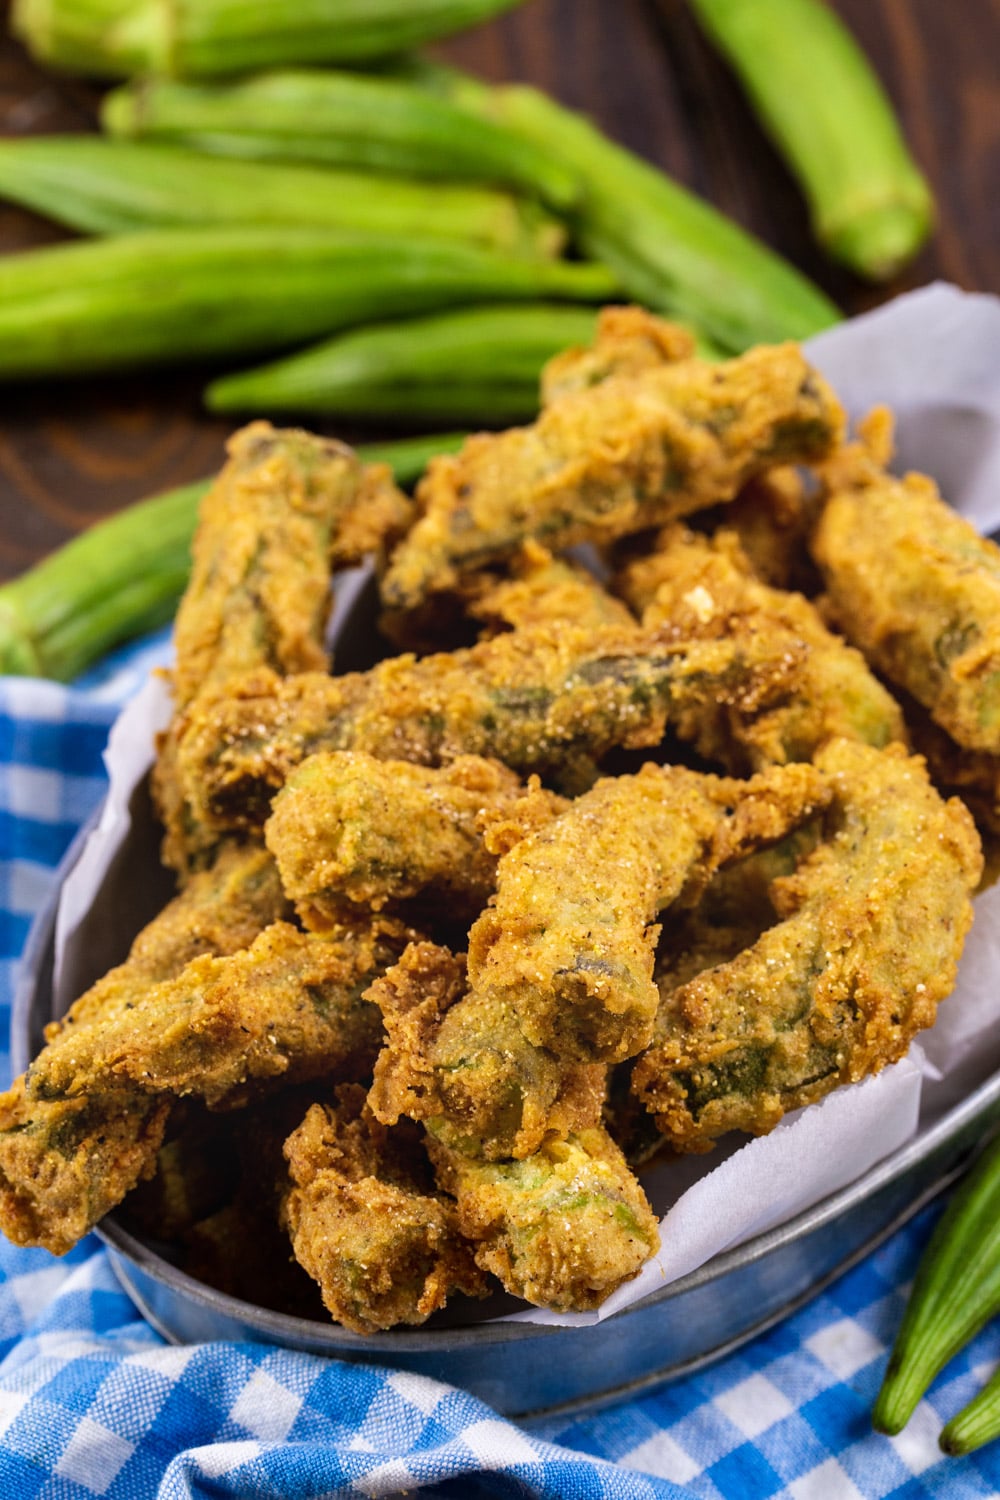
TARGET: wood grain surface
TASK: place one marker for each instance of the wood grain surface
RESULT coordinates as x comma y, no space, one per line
71,453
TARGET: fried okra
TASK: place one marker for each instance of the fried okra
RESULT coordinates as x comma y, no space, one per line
347,829
366,1221
619,456
916,587
562,1228
874,920
568,944
704,588
541,700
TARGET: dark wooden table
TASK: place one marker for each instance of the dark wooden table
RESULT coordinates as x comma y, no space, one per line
72,453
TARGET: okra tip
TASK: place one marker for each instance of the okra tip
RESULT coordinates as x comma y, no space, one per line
881,241
18,656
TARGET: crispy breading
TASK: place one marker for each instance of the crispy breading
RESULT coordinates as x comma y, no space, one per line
464,1067
874,920
567,945
366,1222
65,1162
704,588
539,700
347,829
286,508
289,1007
562,1228
628,341
916,587
541,589
622,455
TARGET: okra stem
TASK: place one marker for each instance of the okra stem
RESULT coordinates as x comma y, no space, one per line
479,364
168,295
112,187
820,100
384,124
125,575
670,249
956,1291
190,38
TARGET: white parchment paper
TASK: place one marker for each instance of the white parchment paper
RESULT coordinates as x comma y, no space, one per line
934,357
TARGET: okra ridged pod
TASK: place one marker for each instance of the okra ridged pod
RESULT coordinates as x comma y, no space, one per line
340,119
114,38
114,187
955,1293
477,365
167,295
672,251
826,111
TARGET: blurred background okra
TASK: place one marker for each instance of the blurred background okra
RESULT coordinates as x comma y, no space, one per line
376,229
195,38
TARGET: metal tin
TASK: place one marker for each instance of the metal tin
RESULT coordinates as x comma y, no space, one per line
524,1370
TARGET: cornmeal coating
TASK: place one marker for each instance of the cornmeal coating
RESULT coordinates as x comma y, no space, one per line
541,700
286,508
874,920
219,911
704,588
917,588
64,1163
562,1228
349,829
462,1065
567,946
289,1007
627,342
541,589
622,455
366,1222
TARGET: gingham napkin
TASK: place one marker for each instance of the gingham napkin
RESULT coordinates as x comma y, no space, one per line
92,1402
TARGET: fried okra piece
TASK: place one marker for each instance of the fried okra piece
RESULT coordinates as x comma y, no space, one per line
704,588
463,1066
568,944
618,457
563,1228
65,1163
874,920
366,1221
629,341
916,587
539,700
347,828
286,508
219,911
289,1007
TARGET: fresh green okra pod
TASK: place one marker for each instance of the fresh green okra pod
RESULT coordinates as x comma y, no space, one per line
476,365
113,187
384,124
172,294
191,38
825,109
672,251
956,1291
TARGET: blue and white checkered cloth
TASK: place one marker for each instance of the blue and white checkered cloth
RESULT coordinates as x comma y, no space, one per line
92,1402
